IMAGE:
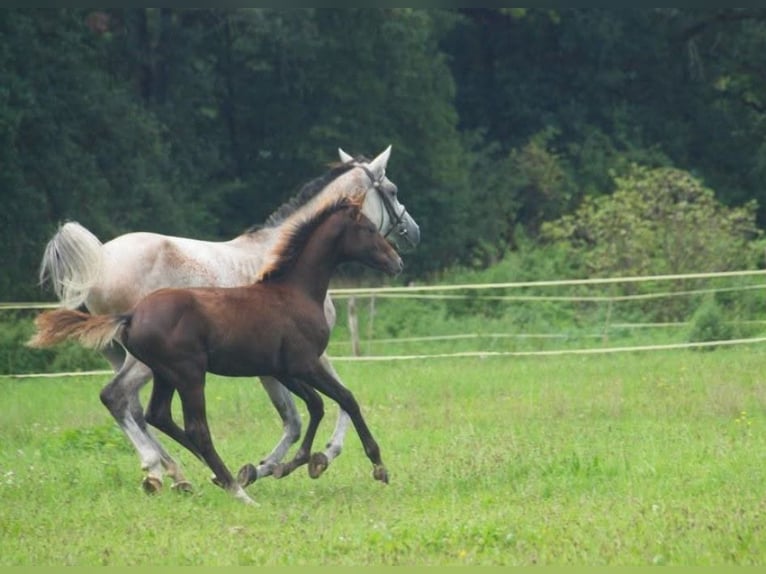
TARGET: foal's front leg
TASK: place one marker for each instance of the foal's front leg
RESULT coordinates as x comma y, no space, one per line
321,460
324,382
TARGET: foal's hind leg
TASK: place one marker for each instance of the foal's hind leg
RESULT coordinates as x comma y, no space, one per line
120,397
197,432
159,415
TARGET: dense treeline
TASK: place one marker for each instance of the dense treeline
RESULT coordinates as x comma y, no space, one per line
201,122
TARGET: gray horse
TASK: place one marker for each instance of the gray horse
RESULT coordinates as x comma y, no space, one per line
110,278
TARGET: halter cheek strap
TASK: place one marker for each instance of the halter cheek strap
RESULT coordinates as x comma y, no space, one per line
396,218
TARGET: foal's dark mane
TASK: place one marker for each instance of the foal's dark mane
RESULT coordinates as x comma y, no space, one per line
295,239
306,193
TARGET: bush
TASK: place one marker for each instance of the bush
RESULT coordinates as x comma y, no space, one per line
657,222
16,327
709,324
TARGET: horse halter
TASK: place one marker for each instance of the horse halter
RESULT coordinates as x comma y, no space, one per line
396,218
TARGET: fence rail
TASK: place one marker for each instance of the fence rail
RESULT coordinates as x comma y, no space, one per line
477,292
469,354
416,291
347,292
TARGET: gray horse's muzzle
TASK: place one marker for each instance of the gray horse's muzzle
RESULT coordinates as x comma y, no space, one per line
407,234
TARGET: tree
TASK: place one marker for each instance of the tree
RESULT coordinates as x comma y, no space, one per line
76,145
658,221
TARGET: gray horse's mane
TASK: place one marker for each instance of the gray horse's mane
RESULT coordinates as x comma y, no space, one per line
296,234
306,193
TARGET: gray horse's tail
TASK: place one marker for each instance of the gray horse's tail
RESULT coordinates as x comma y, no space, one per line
72,262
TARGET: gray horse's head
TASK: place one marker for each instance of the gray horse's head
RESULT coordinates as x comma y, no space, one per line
383,206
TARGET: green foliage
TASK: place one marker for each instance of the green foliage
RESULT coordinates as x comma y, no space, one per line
202,121
528,263
16,328
15,357
658,221
514,193
709,324
540,180
79,144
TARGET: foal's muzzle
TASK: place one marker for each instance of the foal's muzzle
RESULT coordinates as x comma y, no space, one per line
395,266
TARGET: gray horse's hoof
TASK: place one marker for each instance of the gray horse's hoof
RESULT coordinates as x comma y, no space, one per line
183,486
247,475
151,485
318,464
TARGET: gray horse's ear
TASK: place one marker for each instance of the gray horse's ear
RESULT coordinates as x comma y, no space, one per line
344,157
378,165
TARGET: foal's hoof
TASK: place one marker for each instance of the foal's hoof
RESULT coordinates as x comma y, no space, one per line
214,479
380,473
247,475
318,463
151,485
183,486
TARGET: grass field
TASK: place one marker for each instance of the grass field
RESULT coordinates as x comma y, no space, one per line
629,459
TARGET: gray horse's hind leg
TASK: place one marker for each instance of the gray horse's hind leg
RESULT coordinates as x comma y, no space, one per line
321,460
120,397
283,401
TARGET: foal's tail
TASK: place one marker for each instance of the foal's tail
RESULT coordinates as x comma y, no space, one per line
72,262
93,331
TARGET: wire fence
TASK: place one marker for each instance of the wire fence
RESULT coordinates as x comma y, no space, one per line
413,290
355,343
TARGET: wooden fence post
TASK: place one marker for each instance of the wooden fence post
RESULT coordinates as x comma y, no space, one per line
370,323
353,326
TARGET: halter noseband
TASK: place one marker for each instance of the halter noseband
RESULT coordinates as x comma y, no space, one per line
396,218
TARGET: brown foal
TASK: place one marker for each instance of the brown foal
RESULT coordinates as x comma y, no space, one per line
275,327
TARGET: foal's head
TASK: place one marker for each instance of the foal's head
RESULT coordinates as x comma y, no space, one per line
345,231
361,241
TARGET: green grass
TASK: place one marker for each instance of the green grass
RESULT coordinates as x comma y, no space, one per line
631,459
